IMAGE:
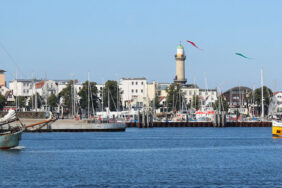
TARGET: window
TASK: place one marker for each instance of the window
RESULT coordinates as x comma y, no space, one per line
141,83
132,83
200,93
132,91
136,83
142,90
136,90
190,92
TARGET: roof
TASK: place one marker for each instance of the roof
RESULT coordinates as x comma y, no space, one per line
241,89
142,78
26,80
1,71
180,46
191,86
39,85
277,92
207,90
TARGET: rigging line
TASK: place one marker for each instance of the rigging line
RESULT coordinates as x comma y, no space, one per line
10,56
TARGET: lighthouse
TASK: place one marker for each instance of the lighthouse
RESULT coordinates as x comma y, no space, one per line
180,65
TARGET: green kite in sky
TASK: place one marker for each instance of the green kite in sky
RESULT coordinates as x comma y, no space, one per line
239,54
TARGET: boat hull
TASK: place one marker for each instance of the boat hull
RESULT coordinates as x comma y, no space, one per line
109,127
11,140
276,129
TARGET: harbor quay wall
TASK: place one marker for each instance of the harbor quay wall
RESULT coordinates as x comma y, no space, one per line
28,115
200,124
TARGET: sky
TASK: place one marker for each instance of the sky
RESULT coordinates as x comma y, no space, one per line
113,39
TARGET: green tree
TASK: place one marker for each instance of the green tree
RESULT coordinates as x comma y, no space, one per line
223,104
155,102
32,100
196,102
66,95
22,101
267,94
174,97
83,93
2,102
111,90
53,101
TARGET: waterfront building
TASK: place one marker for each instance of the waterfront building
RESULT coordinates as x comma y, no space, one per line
207,96
237,96
2,78
275,106
100,88
237,99
189,91
133,89
180,65
157,89
23,87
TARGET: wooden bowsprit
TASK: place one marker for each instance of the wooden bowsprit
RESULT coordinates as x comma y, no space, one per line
39,125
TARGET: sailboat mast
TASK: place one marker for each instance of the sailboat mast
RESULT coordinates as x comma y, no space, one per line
109,98
88,95
262,105
16,91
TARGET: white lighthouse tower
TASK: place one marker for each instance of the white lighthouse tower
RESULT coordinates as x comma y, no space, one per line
180,65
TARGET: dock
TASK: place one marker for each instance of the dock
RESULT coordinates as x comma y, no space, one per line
199,124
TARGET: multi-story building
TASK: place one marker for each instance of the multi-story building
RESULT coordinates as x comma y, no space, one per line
133,89
23,87
275,107
207,96
237,96
2,78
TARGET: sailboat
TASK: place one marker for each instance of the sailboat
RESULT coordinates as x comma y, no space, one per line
10,135
12,129
105,121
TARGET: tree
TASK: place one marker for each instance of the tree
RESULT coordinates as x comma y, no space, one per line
66,95
267,94
111,90
83,93
53,101
196,102
2,102
156,102
174,97
32,101
223,104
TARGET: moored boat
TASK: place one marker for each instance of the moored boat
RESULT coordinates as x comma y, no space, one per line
111,127
276,129
10,136
10,139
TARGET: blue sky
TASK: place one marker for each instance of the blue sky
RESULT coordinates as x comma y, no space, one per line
113,39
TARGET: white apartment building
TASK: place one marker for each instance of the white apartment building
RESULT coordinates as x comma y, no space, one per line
207,96
133,89
275,106
23,87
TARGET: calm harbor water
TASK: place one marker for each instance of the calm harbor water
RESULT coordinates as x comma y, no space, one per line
158,157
